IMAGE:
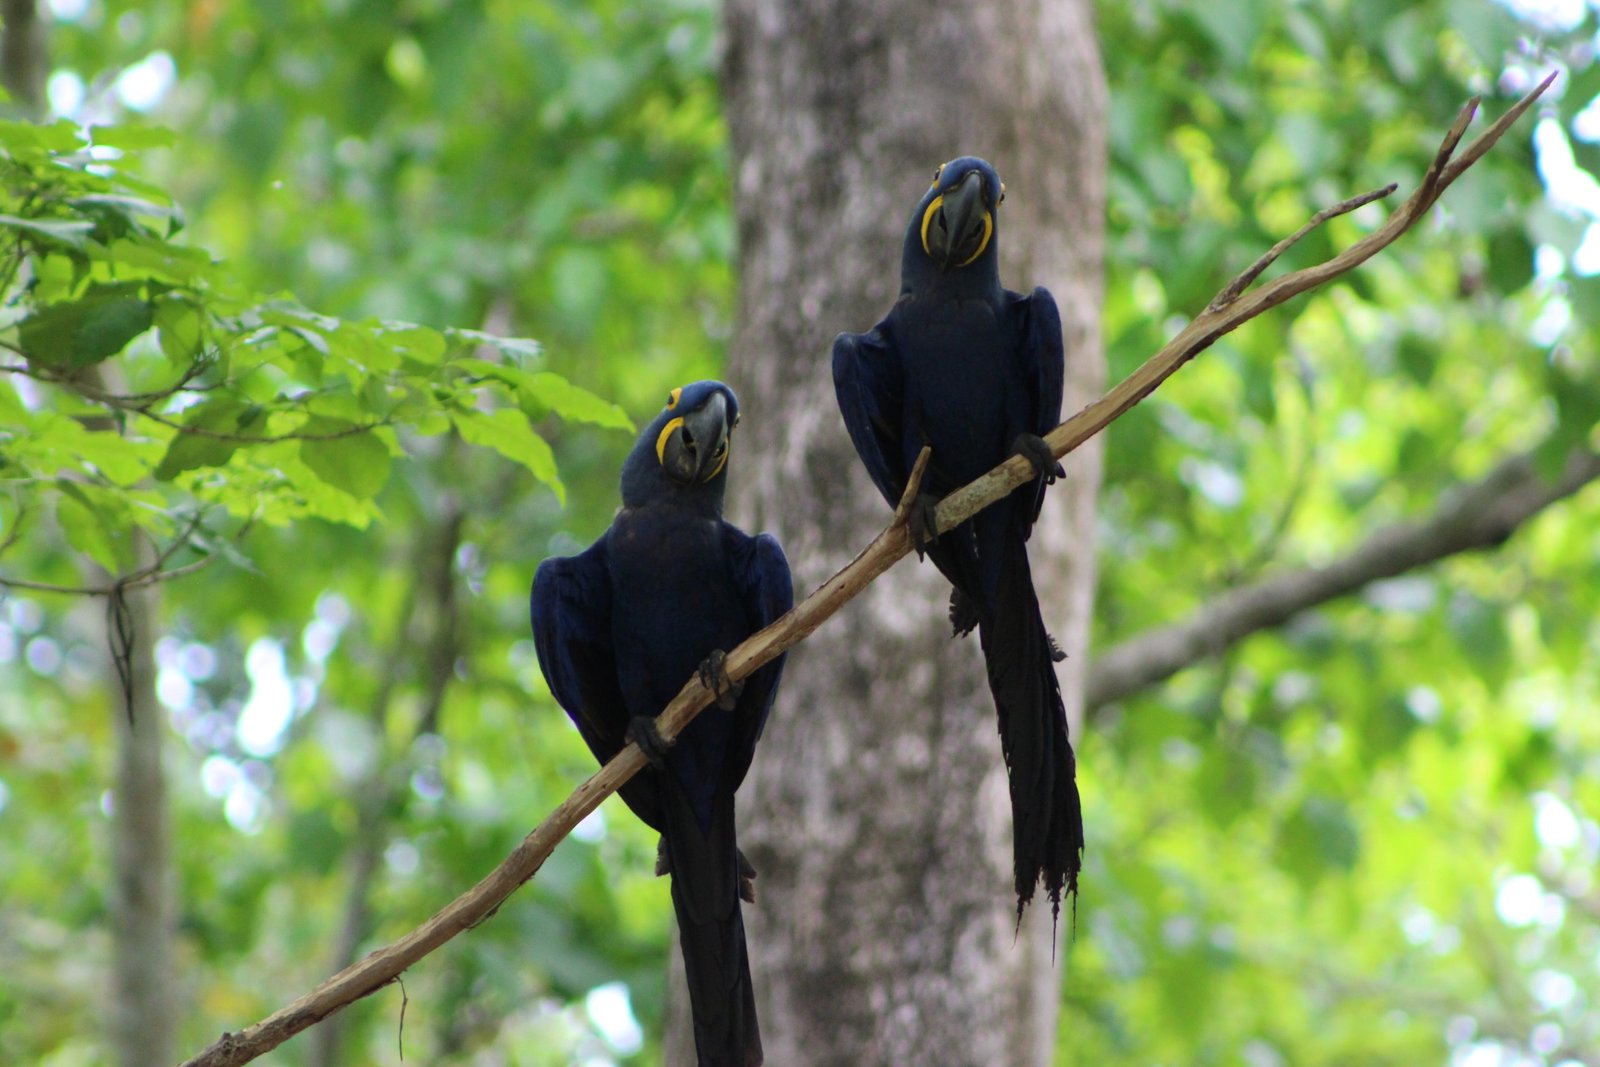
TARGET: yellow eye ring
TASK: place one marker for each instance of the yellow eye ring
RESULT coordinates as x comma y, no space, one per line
673,397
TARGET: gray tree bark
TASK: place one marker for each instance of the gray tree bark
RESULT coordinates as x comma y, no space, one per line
877,810
143,910
24,61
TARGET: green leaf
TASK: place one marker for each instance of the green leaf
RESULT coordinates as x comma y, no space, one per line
89,330
1479,627
70,232
94,523
574,403
1416,357
357,463
1229,781
549,391
506,430
177,325
152,257
1317,838
18,138
514,347
123,462
1510,265
188,451
410,341
1577,413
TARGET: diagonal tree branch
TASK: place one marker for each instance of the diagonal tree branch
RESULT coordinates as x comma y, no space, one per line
1480,515
482,900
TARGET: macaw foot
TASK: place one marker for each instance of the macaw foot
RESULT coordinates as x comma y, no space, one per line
1036,451
643,732
922,522
714,676
963,614
747,871
1056,655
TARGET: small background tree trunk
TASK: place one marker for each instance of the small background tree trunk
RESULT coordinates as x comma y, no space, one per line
144,1002
877,811
24,60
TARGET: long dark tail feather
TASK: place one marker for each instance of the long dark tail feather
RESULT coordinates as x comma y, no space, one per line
705,897
1047,836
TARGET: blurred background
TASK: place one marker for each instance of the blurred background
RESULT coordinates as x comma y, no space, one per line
1364,834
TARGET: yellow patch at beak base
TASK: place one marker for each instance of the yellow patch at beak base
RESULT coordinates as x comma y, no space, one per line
666,432
927,220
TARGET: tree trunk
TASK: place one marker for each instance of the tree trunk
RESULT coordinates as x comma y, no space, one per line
24,63
144,1001
428,637
877,812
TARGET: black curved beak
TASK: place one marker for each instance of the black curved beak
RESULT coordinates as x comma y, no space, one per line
697,450
954,233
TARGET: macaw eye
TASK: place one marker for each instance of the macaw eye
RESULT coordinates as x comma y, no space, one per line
936,172
673,398
1002,199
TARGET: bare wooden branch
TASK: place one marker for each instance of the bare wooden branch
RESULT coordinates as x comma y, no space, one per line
913,484
1270,256
894,542
1480,515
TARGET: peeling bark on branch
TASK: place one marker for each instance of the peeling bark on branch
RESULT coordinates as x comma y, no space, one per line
1481,515
481,901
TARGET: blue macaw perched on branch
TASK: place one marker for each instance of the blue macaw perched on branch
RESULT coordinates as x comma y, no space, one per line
974,371
663,594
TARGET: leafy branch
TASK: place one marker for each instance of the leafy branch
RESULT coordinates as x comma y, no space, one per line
1235,305
151,573
145,404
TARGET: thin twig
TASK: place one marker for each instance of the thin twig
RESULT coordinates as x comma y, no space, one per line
1270,256
894,542
151,574
262,439
913,484
1429,190
16,524
139,405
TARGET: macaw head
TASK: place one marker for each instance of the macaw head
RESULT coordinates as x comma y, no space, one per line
952,228
684,449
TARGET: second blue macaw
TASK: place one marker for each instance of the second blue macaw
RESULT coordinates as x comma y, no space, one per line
619,629
975,371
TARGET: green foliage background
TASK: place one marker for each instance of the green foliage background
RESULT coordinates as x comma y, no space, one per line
1369,837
